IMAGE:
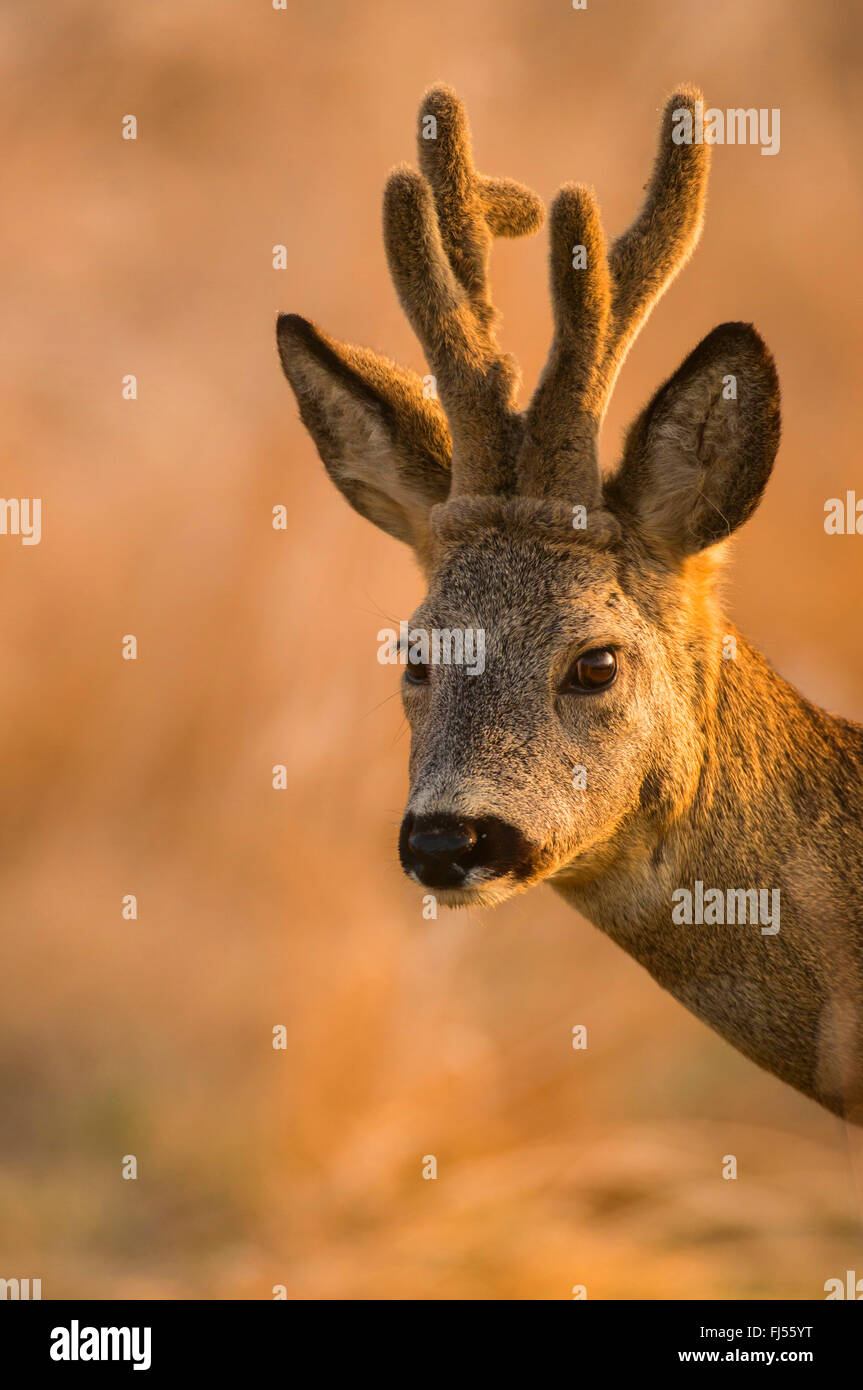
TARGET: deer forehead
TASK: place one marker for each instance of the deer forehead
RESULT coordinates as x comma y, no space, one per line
508,583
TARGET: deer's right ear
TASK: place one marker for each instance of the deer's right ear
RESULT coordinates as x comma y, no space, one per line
383,443
697,459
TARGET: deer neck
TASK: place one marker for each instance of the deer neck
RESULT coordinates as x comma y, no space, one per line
777,806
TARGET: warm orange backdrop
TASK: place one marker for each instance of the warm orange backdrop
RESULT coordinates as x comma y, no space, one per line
406,1037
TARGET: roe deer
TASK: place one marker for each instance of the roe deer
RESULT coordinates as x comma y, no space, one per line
608,747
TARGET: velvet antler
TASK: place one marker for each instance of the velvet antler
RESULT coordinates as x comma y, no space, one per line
376,428
600,301
438,229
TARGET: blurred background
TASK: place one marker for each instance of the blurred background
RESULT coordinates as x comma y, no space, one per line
256,908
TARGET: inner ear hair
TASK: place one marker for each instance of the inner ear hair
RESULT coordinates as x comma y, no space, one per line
697,459
384,443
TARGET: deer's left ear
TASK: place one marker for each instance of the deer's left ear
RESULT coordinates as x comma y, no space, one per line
697,459
385,446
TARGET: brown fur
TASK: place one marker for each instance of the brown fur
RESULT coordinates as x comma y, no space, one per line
697,767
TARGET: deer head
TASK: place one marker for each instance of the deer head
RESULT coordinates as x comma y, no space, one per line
583,738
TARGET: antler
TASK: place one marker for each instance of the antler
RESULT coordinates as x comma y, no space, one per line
600,302
438,229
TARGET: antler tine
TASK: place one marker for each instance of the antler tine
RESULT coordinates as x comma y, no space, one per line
648,256
559,451
600,302
438,229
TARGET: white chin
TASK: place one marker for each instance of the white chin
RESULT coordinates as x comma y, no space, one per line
487,894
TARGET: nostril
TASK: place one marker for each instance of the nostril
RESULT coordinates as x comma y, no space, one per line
445,843
446,851
439,850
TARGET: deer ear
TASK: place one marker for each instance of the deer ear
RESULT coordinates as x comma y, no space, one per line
697,459
385,446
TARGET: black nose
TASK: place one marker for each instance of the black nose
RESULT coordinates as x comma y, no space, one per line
443,844
441,850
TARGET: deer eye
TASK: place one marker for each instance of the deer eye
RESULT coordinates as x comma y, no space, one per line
416,672
593,670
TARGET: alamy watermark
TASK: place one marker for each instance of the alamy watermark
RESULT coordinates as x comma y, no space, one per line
736,126
20,1289
21,516
720,907
77,1343
436,646
844,515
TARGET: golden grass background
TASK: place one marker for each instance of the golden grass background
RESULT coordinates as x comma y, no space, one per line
406,1037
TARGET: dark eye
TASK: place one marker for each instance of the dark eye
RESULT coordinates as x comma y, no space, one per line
593,670
416,672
